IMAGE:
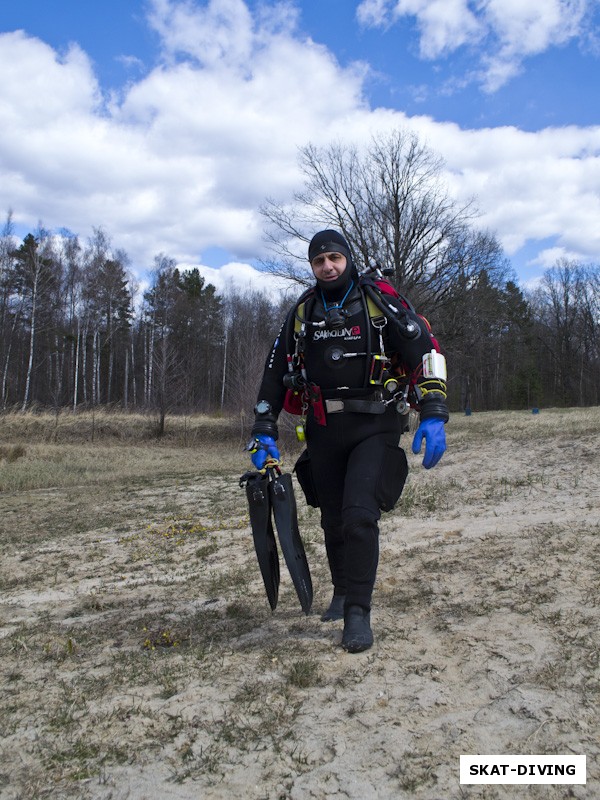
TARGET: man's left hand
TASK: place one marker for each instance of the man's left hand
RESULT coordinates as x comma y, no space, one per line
432,430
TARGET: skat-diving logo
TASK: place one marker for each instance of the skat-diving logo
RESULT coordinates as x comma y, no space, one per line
348,334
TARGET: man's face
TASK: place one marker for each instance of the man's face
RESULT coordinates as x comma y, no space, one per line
328,266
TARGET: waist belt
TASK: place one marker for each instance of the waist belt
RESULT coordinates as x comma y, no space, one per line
354,404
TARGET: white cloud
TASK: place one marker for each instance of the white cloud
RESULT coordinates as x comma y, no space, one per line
524,28
242,277
373,12
181,162
444,25
187,154
548,258
220,31
505,32
528,26
529,186
30,64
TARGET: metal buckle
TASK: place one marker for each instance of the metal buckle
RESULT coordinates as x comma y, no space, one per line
334,406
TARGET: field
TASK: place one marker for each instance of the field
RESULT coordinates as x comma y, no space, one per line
139,657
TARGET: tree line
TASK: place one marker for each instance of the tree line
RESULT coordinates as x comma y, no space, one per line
77,332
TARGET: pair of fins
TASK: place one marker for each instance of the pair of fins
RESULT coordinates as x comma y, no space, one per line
271,496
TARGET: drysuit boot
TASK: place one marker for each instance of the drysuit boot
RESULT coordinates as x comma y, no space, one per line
357,635
336,608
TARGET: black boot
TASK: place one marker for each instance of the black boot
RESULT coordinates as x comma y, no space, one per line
357,635
336,608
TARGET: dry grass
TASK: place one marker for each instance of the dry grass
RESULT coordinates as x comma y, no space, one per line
139,658
45,466
106,426
524,426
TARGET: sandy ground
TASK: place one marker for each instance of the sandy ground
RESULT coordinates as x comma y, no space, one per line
140,659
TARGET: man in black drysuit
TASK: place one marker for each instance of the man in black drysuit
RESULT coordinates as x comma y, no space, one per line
354,463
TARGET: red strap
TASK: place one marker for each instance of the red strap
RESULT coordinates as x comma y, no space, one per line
318,407
386,288
292,402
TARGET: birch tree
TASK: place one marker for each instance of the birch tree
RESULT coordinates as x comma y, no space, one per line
35,275
11,304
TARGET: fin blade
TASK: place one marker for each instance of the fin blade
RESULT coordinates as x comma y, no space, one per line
283,503
265,545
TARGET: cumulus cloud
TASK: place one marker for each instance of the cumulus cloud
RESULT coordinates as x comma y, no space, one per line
220,31
242,278
444,25
505,32
187,154
528,185
182,159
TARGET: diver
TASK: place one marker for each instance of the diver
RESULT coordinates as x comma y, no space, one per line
351,359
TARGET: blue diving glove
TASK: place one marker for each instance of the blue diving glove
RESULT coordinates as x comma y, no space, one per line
262,448
432,430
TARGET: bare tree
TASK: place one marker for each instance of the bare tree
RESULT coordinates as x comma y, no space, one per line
567,305
393,207
252,325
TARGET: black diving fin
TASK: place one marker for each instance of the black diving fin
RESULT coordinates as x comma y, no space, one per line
283,502
259,504
274,492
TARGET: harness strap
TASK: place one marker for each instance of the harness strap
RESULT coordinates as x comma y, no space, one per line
299,317
374,312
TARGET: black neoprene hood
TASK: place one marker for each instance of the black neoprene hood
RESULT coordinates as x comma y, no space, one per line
328,241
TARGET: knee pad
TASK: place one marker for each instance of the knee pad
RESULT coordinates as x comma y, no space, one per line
358,517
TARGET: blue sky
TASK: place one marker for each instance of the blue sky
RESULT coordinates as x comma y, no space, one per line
167,122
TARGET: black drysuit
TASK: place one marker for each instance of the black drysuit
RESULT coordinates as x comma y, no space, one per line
356,463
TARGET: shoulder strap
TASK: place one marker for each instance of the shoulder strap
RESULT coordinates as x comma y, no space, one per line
299,316
373,310
295,317
299,310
